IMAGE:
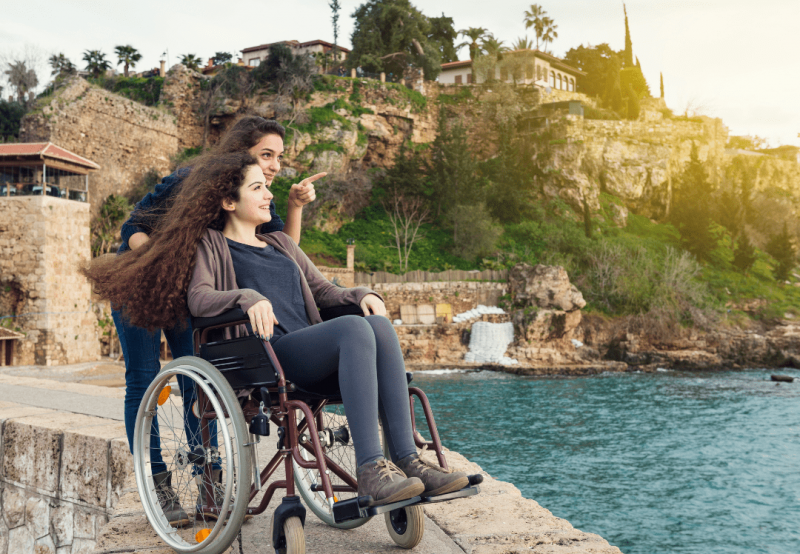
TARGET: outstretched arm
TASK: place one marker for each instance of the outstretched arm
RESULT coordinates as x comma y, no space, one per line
299,195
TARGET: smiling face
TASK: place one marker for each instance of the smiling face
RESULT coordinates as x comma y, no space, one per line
254,199
269,153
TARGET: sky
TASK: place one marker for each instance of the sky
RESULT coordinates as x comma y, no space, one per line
733,59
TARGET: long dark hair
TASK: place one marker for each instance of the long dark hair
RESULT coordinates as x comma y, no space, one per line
150,283
245,133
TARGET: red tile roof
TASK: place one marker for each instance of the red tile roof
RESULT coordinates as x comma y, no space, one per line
43,150
293,44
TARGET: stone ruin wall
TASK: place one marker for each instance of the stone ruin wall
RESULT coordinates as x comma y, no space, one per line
43,240
124,137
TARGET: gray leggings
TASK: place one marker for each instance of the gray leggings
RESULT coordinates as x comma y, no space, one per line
372,378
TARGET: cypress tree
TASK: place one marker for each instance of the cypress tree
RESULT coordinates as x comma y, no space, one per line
627,60
634,108
690,208
662,85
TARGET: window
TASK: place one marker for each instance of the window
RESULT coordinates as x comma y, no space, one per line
553,79
458,79
503,74
529,72
254,62
558,80
572,85
469,78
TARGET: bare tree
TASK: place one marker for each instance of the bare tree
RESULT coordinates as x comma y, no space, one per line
407,214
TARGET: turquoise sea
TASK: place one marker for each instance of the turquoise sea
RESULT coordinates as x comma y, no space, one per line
665,462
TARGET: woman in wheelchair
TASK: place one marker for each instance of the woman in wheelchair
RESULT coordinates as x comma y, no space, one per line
207,252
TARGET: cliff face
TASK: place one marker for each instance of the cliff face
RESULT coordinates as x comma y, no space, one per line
124,137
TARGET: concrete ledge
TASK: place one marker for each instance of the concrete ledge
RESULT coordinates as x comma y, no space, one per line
497,521
61,473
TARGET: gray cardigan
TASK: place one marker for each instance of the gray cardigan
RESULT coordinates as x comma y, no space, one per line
213,290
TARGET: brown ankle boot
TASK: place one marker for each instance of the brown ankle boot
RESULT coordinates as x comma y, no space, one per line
436,480
385,483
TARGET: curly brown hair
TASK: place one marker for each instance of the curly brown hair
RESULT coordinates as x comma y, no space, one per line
150,283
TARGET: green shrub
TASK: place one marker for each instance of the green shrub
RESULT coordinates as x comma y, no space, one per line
594,113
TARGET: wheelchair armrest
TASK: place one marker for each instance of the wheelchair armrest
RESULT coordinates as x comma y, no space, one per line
338,311
235,315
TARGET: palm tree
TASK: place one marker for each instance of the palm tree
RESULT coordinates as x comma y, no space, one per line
533,18
474,34
548,31
523,44
61,65
96,62
190,61
21,78
492,46
127,55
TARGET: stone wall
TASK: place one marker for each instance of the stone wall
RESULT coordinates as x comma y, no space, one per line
61,475
461,295
43,241
124,137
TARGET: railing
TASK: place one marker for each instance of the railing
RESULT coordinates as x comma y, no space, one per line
38,189
428,276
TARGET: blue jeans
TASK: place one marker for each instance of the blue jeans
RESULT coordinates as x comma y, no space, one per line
142,363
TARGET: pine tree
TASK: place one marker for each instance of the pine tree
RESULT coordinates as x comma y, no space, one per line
627,60
745,254
781,247
690,211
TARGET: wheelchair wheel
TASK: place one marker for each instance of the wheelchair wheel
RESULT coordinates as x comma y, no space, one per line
163,419
294,536
406,526
342,452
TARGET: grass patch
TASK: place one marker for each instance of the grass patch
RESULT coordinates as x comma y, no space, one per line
325,146
462,95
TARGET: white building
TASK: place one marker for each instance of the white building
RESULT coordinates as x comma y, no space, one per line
520,66
254,55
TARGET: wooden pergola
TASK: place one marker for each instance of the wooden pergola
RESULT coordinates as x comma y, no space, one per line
44,169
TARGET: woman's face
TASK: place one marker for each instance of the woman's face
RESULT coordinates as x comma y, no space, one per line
269,153
254,198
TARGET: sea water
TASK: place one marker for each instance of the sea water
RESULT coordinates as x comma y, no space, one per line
665,462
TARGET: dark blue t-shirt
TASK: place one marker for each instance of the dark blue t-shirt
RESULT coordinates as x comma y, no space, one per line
270,273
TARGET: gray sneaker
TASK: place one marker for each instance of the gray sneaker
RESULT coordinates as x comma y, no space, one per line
436,480
385,483
170,504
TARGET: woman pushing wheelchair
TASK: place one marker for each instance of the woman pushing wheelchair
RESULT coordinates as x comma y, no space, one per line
206,257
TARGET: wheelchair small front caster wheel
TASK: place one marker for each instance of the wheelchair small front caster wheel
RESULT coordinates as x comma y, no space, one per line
406,526
294,536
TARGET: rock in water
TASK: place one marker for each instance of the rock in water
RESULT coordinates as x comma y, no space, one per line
782,378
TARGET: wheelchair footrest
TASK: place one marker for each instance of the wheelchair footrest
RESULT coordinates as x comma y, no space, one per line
356,508
463,493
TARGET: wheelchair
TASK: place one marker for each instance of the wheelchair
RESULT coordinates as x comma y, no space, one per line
239,392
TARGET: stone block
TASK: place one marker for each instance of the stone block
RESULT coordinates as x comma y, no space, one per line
20,541
3,537
83,525
62,550
84,469
37,516
120,467
44,545
83,546
63,526
13,508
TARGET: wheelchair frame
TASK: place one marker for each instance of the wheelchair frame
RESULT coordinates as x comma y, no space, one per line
285,399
